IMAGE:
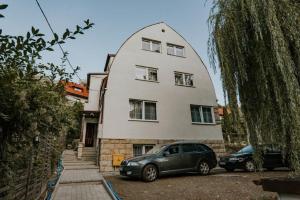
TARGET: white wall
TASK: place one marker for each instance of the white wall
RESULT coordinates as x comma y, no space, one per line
173,102
94,92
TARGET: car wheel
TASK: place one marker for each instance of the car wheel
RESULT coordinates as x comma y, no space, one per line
229,169
204,168
249,166
150,173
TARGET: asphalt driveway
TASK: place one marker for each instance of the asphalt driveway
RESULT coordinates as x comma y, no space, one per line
219,185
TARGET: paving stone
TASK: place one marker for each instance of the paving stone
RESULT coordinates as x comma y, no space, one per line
82,191
80,180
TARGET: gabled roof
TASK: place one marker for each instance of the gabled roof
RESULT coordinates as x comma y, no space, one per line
110,55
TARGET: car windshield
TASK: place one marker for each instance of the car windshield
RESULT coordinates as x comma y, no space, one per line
156,149
246,149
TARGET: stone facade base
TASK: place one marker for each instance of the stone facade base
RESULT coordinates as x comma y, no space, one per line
109,147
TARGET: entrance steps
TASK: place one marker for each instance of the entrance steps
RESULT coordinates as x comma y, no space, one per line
89,154
70,161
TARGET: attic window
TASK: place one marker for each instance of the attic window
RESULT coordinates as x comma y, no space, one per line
175,50
151,45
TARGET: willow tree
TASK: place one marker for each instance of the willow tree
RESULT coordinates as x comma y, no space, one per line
256,44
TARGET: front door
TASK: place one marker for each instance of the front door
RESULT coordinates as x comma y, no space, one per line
91,131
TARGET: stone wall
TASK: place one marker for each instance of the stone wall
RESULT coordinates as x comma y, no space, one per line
109,147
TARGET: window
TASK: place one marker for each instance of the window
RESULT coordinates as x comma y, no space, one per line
77,89
200,148
186,148
174,149
143,110
201,114
146,73
207,116
184,79
151,45
137,150
141,149
136,109
175,50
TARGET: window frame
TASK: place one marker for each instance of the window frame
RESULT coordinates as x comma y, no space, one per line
175,47
201,114
184,74
147,73
172,146
143,148
143,111
151,45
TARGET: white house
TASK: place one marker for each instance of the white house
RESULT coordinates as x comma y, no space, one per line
155,89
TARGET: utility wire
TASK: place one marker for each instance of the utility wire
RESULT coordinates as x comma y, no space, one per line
62,50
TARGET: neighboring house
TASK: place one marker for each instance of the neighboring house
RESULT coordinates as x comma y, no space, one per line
76,92
233,133
154,90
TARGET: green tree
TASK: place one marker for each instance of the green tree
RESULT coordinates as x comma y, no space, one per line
257,46
75,127
32,102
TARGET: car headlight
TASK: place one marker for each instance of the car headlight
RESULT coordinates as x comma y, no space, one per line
236,159
132,164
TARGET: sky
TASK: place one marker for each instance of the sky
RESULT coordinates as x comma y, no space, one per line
115,21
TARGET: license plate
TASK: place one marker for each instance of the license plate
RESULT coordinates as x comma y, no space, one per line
222,163
121,168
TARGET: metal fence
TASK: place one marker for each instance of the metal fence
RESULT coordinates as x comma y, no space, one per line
27,175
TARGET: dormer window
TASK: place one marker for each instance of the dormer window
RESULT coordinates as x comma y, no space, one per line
175,50
151,45
77,89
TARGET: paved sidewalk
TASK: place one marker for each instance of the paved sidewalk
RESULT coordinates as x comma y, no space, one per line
80,180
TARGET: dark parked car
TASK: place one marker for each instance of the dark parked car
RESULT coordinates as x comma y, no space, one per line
173,158
272,158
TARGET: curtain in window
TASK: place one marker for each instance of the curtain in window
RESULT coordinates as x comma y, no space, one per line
150,111
156,46
152,74
207,116
170,50
141,73
135,109
137,150
179,51
146,45
189,80
178,79
195,111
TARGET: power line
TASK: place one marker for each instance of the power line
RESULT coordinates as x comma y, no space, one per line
62,50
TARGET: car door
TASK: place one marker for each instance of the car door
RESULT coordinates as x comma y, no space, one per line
272,158
189,156
171,161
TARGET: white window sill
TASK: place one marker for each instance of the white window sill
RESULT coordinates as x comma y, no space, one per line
202,123
146,80
143,120
151,51
186,86
176,55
